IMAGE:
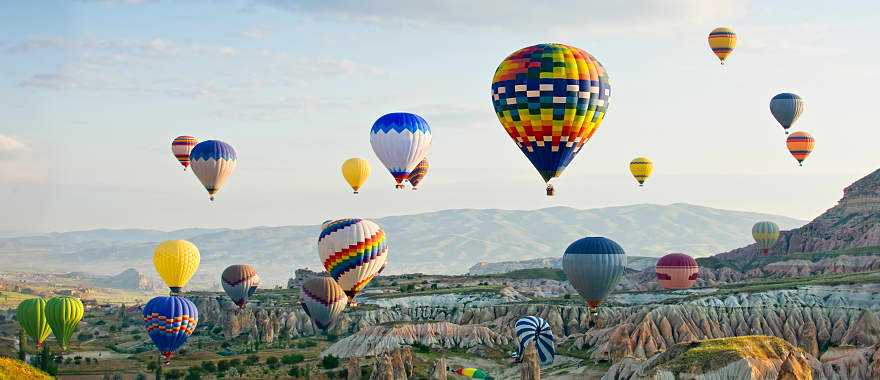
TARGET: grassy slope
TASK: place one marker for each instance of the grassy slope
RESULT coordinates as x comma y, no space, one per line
712,354
11,369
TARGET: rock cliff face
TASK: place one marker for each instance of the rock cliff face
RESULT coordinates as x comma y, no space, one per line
376,340
852,223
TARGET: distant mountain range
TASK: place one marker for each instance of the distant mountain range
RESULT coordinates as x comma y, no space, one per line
448,241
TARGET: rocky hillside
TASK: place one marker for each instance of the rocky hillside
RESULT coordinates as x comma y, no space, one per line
852,223
375,340
747,357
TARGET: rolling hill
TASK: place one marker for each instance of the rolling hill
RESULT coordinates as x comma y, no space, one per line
447,241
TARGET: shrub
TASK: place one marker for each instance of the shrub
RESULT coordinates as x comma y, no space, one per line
272,362
292,359
330,362
251,360
173,374
100,322
84,336
295,371
209,366
222,366
235,363
151,366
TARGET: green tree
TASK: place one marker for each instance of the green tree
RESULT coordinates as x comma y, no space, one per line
222,366
22,344
251,360
173,374
209,366
292,359
330,362
295,371
272,362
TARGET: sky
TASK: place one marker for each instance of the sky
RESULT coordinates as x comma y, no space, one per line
94,91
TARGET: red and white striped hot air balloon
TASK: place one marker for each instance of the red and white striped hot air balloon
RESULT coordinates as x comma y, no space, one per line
181,147
677,271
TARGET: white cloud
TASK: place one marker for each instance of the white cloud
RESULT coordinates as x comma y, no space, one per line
255,33
9,145
654,16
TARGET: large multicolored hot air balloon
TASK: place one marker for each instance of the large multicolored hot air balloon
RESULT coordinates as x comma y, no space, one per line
800,144
176,261
766,234
401,140
356,171
323,300
353,252
473,373
550,99
418,174
786,108
31,316
594,266
722,41
677,271
213,162
169,321
63,315
641,168
181,147
536,329
240,282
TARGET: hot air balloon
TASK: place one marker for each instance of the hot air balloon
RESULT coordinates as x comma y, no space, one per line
641,168
800,145
323,300
418,173
677,271
356,171
213,162
550,99
63,315
240,282
473,373
353,251
169,321
181,147
786,108
535,329
176,261
765,234
401,140
722,41
31,316
593,266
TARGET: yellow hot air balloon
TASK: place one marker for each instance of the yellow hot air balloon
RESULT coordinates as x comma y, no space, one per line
722,41
641,168
356,170
176,261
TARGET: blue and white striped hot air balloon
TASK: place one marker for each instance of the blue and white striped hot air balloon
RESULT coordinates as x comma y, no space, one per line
213,162
536,329
786,108
401,140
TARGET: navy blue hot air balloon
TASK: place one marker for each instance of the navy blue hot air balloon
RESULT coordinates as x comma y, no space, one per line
786,108
594,266
535,329
169,321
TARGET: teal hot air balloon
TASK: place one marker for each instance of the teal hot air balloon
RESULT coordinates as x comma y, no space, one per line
786,108
594,266
765,234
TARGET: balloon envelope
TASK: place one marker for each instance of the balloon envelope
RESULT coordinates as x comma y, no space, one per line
356,171
594,266
800,144
473,373
401,140
641,168
765,233
677,271
323,300
550,99
722,41
176,261
213,162
240,282
63,315
181,147
786,108
416,176
535,329
31,316
169,321
353,251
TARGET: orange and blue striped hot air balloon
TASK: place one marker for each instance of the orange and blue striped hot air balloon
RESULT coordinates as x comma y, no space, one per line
181,147
800,144
353,251
418,174
722,41
169,321
550,99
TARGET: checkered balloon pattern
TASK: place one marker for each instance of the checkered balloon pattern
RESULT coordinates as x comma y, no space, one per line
550,98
